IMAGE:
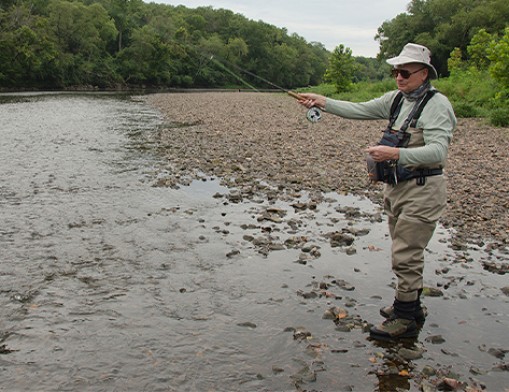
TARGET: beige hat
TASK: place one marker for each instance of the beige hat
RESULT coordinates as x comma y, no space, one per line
413,53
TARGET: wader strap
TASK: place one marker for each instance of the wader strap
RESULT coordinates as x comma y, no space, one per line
414,114
421,174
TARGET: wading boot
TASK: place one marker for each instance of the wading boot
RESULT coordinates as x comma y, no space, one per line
420,314
394,329
401,325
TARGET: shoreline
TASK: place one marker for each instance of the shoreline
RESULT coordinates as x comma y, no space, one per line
251,138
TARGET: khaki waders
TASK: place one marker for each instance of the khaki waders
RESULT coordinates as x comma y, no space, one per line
413,211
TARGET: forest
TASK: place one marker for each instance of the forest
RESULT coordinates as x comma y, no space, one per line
116,44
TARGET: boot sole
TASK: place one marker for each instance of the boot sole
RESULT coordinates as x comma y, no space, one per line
387,337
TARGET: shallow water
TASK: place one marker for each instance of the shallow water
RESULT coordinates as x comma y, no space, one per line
110,283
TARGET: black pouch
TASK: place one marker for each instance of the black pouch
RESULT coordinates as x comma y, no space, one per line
385,171
375,170
394,138
388,171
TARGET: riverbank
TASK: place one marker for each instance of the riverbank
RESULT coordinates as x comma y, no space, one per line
250,139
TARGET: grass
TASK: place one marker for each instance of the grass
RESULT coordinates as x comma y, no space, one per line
472,94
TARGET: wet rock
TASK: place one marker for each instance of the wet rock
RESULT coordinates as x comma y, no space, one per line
497,352
497,268
435,339
269,217
247,325
304,375
410,354
449,352
5,350
233,253
502,367
296,242
426,386
350,250
277,369
450,384
248,238
428,371
260,241
338,239
334,313
304,258
476,371
301,333
276,211
432,292
308,295
310,248
235,196
356,232
343,284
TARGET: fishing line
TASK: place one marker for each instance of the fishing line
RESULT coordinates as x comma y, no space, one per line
232,73
313,114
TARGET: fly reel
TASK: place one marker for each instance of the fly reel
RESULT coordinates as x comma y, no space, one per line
314,115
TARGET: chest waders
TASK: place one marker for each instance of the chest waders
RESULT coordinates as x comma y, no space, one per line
391,172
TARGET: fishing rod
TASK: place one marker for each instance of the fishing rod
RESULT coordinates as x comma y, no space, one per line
313,114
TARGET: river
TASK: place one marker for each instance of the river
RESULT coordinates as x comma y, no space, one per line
109,283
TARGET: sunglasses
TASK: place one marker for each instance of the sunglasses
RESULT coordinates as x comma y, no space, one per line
404,73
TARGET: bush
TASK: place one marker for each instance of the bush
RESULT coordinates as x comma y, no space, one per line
500,117
465,110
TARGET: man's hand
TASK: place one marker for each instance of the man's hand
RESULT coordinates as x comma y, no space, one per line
383,153
310,100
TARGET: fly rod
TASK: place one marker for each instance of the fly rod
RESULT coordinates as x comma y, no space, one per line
313,114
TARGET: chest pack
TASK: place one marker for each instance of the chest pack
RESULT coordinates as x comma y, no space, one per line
391,172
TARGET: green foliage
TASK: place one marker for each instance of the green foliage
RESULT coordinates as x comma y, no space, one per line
107,43
442,25
498,54
341,68
500,117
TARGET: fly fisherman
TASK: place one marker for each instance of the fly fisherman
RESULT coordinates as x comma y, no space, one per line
409,159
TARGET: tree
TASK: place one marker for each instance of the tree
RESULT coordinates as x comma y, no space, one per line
341,68
442,25
82,34
498,54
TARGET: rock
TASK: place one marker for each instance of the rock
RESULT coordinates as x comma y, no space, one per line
410,354
247,325
435,339
432,292
428,371
497,353
233,253
340,239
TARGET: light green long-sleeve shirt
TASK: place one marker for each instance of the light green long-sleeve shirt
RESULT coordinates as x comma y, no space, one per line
430,140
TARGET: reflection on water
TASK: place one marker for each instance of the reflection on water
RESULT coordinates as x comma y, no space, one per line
109,283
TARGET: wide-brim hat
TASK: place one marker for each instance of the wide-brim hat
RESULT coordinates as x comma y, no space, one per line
413,53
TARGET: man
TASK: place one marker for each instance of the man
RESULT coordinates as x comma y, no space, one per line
410,162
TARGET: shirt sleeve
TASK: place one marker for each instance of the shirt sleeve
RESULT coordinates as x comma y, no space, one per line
376,109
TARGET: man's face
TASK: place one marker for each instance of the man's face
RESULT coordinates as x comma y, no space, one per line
417,74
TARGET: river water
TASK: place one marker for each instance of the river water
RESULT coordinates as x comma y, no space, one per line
109,283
